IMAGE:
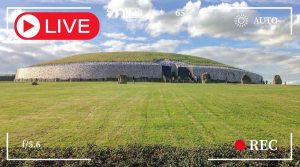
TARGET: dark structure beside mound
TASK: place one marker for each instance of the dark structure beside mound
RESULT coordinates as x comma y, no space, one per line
205,78
7,77
246,79
142,66
277,80
122,79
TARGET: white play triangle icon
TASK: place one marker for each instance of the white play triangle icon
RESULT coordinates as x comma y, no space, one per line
27,26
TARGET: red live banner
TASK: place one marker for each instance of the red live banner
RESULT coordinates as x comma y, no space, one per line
57,26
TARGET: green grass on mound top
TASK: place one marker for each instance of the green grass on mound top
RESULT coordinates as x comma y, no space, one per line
134,57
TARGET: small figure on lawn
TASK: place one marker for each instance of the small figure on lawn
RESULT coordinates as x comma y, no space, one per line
34,83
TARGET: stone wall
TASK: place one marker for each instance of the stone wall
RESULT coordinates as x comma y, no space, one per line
223,74
90,71
142,71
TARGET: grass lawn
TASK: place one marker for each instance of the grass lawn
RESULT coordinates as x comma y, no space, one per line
184,115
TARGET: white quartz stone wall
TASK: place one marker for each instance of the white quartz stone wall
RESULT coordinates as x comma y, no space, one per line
92,70
105,70
225,74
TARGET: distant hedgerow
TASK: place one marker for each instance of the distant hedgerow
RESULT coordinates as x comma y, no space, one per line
151,155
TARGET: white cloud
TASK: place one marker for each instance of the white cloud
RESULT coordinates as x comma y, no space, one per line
75,1
122,36
293,82
144,6
208,20
215,20
257,1
162,45
15,53
113,45
292,45
118,5
275,1
275,35
13,14
258,60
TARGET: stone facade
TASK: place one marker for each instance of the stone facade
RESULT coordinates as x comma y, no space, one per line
89,71
139,70
223,74
277,80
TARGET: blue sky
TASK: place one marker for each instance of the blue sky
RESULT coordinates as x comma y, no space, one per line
208,30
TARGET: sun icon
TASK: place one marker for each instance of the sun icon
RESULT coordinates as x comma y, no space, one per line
241,20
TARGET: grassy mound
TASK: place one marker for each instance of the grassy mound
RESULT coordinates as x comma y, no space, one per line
134,57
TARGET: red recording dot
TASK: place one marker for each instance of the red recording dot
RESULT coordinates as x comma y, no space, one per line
240,144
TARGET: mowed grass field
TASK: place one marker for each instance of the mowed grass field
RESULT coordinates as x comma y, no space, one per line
184,115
